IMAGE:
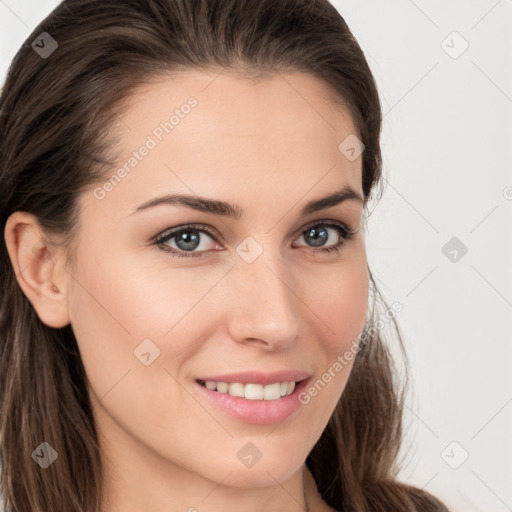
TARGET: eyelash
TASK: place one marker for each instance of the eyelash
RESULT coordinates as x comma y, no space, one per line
345,232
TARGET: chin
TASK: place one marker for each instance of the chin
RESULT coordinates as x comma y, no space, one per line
261,474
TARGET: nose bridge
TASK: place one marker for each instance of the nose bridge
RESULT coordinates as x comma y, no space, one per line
263,306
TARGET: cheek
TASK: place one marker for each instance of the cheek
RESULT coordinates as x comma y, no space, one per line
119,302
338,299
117,306
135,299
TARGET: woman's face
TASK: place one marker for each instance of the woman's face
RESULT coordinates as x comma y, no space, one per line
249,290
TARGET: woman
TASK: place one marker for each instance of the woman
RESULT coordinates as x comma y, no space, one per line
185,290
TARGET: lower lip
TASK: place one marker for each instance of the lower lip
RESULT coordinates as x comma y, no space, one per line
261,412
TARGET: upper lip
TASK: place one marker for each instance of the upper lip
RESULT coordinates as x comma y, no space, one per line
260,377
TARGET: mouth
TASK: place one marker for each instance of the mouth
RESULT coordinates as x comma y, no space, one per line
255,403
252,391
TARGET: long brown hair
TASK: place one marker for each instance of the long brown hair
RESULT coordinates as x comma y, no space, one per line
54,125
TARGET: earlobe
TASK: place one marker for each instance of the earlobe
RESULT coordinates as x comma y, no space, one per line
34,261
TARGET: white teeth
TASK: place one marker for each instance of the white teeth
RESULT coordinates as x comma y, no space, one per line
272,391
253,391
222,387
236,389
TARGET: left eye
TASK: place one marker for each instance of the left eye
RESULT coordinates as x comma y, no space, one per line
187,239
318,237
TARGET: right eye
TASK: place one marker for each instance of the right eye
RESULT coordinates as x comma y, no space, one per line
186,239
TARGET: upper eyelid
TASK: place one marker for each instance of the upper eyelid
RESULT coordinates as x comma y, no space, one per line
192,226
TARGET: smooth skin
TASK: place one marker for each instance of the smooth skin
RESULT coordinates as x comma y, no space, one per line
270,147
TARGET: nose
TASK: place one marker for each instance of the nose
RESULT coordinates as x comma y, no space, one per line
264,310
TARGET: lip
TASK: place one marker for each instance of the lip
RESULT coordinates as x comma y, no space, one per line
260,412
260,377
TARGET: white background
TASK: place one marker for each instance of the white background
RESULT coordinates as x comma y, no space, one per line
446,142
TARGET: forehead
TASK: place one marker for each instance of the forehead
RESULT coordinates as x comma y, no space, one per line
220,133
248,105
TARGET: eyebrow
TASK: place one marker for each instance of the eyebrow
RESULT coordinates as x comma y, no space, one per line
222,208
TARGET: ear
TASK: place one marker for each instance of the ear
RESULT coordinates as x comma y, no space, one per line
34,261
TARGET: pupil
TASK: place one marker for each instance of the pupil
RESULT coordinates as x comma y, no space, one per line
317,240
190,241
